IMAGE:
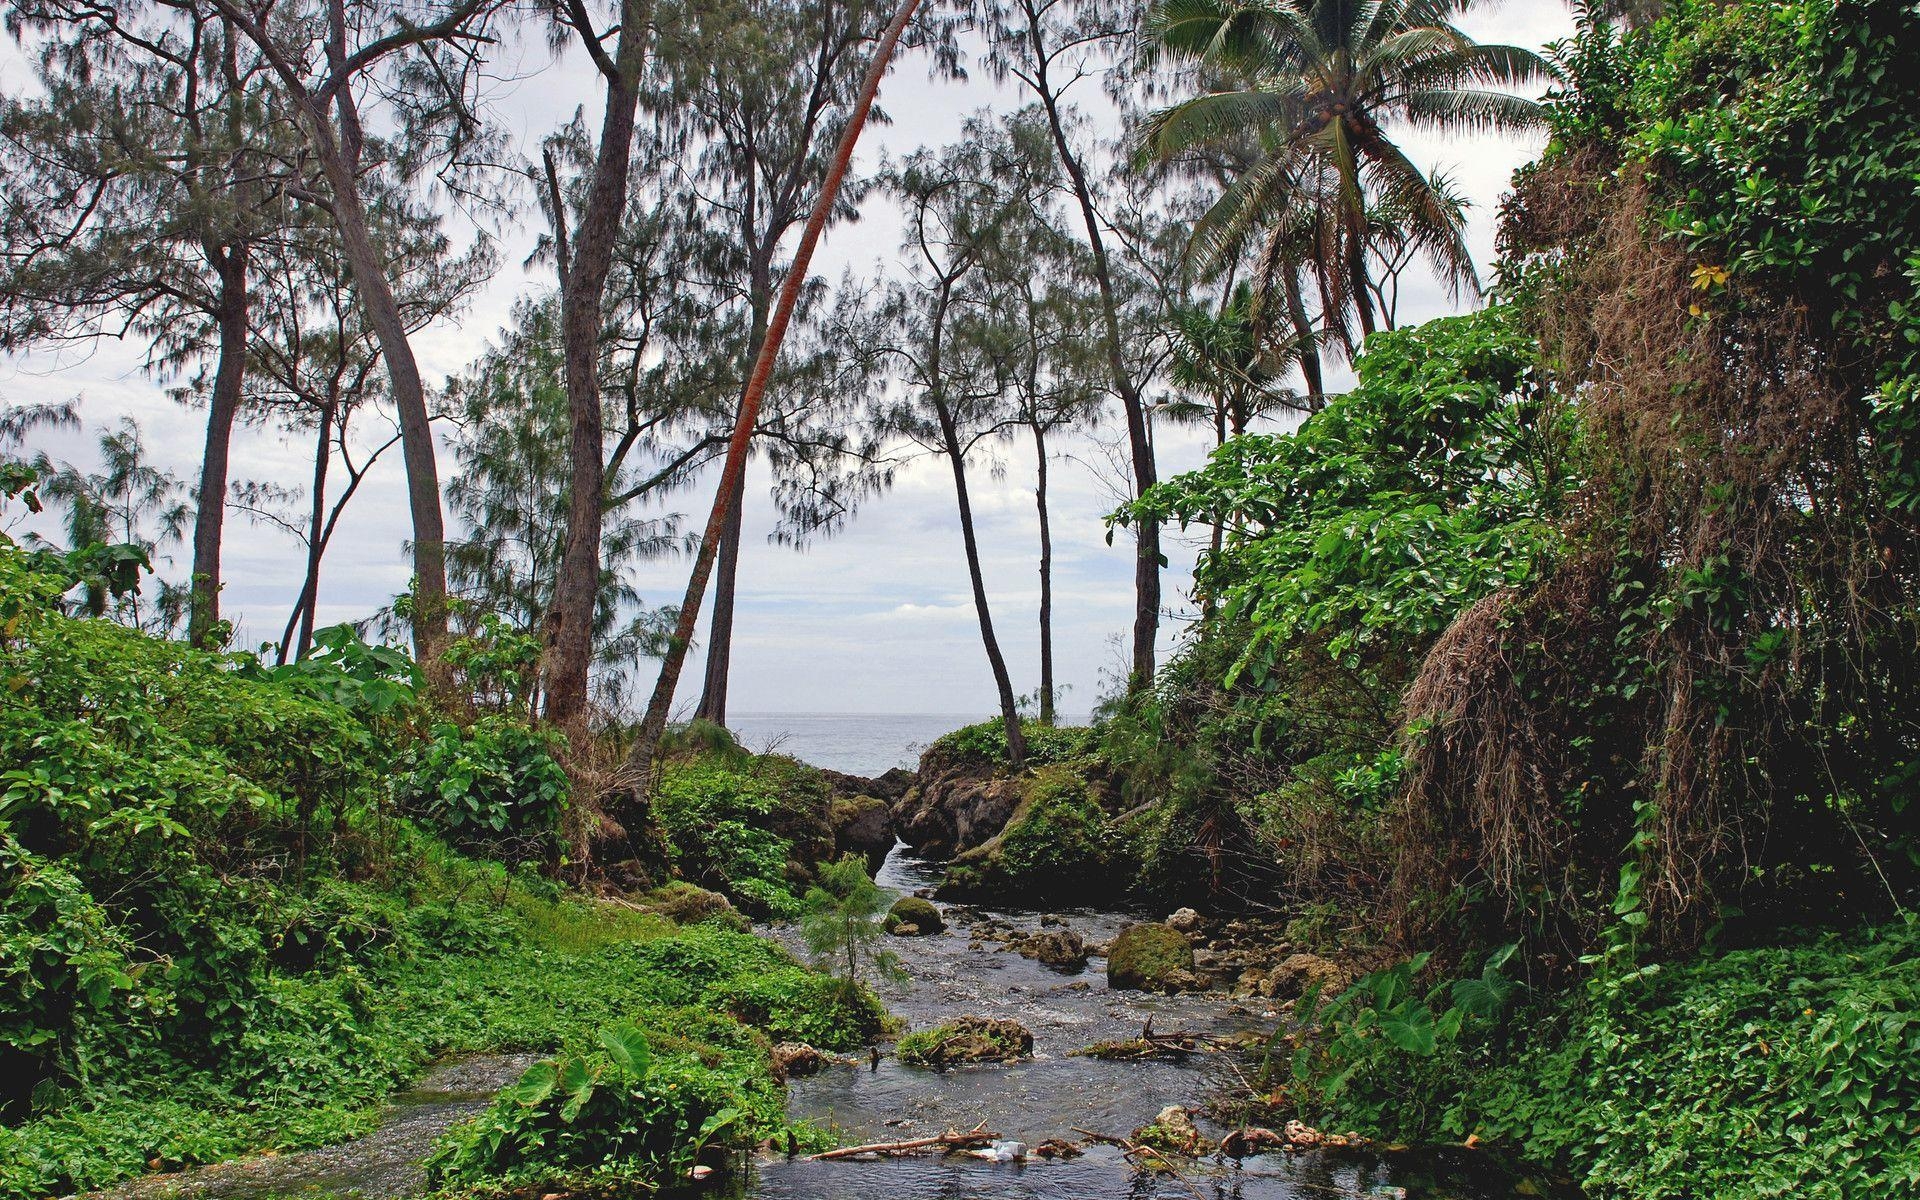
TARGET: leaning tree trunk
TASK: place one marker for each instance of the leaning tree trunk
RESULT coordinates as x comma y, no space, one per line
369,271
229,387
1146,558
660,705
1046,574
1002,682
586,263
719,668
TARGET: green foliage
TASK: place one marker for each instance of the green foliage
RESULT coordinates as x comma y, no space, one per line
1387,1053
1430,484
717,819
1788,128
499,665
493,784
147,793
216,937
619,1109
370,681
988,740
1788,1071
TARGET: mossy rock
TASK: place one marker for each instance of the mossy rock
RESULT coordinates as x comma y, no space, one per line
1149,957
862,825
967,1040
1174,1134
1059,847
685,903
912,916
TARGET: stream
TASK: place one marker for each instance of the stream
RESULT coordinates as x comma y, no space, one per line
1031,1101
1055,1093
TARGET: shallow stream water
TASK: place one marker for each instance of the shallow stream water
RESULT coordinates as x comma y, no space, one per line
1057,1093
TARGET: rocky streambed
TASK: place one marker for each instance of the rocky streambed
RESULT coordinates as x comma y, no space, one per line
996,965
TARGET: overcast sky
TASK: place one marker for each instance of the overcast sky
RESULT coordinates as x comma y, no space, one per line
878,618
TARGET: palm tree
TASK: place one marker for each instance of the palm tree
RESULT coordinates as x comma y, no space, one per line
1314,85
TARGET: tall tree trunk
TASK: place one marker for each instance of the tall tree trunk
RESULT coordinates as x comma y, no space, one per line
1309,349
713,691
1003,684
586,264
660,705
316,545
369,270
1046,574
1146,560
229,387
719,665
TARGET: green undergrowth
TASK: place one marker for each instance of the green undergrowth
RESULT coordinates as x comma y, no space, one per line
1779,1071
231,919
468,960
1784,1071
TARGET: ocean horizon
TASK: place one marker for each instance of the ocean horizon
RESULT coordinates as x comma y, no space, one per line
856,743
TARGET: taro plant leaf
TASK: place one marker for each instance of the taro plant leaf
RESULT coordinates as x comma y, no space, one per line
535,1085
628,1047
714,1126
1411,1028
577,1080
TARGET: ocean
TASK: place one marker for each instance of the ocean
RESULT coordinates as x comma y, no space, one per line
857,743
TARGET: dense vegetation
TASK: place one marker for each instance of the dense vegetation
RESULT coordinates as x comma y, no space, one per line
1584,627
221,931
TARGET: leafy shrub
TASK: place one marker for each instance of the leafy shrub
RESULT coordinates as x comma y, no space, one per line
1388,1054
620,1110
797,1005
716,818
493,785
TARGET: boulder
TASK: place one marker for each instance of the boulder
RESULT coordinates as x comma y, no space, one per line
862,825
1185,920
1297,972
911,916
960,798
684,903
1150,957
1061,949
792,1060
967,1040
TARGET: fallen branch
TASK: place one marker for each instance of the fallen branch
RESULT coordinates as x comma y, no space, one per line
952,1140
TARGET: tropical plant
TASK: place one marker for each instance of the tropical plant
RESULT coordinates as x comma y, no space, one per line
1314,85
841,922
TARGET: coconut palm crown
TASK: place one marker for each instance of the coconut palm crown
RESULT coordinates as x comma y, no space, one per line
1314,85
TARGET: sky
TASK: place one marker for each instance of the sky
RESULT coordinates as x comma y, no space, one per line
879,617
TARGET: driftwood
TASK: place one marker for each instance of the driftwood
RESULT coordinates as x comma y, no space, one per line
976,1138
1150,1045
